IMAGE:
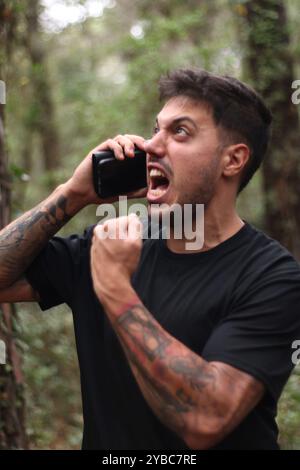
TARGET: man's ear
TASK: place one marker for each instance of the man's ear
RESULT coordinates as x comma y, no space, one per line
235,158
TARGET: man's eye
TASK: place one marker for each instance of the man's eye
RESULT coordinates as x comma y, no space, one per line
181,130
155,130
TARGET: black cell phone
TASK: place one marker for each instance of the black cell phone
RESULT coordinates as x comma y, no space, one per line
112,177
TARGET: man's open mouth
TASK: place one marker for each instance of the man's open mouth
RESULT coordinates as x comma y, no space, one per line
158,183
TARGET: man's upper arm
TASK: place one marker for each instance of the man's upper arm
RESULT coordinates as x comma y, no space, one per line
257,334
19,291
57,270
51,277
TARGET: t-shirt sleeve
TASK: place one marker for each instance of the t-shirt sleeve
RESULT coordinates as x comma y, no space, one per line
257,335
54,273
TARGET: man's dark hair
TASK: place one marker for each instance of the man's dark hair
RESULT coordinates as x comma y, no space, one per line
237,110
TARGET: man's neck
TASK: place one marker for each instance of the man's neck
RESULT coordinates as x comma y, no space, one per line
217,229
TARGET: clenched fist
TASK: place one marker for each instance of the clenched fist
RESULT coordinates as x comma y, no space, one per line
115,253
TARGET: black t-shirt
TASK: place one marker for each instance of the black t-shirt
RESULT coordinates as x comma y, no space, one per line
238,303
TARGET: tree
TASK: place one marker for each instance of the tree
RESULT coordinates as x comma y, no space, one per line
44,120
270,65
12,422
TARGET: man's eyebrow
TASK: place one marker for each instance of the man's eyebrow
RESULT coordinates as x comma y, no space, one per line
180,119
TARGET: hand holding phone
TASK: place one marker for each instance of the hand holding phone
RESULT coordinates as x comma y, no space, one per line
113,177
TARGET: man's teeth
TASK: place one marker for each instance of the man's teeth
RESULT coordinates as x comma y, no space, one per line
161,187
156,172
157,191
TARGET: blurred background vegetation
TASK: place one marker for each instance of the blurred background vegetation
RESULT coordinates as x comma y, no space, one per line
80,71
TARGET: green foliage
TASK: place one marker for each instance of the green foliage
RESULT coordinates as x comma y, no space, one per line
52,379
289,413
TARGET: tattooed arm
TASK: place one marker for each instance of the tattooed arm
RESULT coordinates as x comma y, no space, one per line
200,401
22,240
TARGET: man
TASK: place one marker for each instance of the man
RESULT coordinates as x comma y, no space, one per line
177,349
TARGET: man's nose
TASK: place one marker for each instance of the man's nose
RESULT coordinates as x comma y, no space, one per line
155,146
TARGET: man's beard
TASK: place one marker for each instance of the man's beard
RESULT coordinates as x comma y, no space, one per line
202,194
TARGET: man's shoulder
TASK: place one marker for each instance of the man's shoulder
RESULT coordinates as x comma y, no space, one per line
267,262
85,236
267,248
76,245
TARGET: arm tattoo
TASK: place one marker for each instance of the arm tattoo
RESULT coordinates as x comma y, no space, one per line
136,322
168,373
22,240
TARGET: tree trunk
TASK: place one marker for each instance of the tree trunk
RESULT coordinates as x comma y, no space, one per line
45,121
12,420
270,66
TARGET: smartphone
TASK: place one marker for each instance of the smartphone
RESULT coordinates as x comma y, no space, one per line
112,177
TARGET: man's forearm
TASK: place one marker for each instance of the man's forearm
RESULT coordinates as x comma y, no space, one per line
179,385
22,239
